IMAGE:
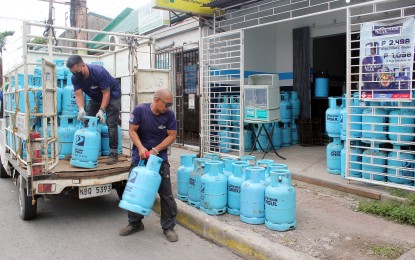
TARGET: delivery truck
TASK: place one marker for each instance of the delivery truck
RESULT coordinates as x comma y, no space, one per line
37,81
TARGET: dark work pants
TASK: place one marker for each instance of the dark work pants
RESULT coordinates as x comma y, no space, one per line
167,203
113,116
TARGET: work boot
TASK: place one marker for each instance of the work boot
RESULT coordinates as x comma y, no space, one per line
132,228
112,159
171,235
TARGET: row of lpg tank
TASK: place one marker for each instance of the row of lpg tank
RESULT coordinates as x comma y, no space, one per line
67,114
257,191
380,140
284,133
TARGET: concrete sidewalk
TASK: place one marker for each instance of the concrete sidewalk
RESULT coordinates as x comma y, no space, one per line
307,165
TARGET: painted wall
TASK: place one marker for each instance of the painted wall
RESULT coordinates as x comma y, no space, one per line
269,49
260,51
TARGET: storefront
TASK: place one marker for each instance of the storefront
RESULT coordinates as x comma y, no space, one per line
300,41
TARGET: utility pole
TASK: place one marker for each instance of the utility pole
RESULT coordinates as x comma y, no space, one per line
81,21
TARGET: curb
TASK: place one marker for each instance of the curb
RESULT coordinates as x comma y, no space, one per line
338,187
243,242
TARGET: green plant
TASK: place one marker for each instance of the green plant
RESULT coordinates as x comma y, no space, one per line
39,40
393,210
409,195
388,252
3,36
398,192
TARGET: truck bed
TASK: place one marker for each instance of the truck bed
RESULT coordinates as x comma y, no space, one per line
65,170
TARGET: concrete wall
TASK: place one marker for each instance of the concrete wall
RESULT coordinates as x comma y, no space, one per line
259,40
185,34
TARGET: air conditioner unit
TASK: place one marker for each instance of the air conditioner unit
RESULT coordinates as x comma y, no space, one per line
117,40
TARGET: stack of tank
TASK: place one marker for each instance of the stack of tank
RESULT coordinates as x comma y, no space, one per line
259,192
388,131
380,139
333,150
285,132
66,108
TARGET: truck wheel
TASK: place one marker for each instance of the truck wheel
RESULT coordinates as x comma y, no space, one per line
27,210
3,173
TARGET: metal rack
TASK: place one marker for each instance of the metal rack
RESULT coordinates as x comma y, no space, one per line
386,133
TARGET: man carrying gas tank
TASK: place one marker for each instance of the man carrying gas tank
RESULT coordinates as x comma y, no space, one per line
105,93
152,129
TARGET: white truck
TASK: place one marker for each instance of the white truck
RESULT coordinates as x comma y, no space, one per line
23,155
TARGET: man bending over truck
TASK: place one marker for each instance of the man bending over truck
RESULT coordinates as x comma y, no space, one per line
152,129
105,93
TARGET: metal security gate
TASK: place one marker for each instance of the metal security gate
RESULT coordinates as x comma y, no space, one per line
184,66
172,59
380,128
222,80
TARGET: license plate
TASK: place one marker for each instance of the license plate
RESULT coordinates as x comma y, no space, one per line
94,191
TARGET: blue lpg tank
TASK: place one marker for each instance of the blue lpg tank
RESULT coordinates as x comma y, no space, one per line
105,139
333,156
401,128
213,191
277,137
373,161
285,108
31,95
280,203
183,175
295,104
235,109
249,158
228,166
212,156
234,187
343,119
224,140
69,106
86,145
39,97
265,163
400,166
234,134
286,135
248,140
66,132
142,186
223,110
355,156
333,118
294,132
280,167
356,116
195,182
374,122
252,197
321,87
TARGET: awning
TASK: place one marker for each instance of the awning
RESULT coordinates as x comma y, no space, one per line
227,3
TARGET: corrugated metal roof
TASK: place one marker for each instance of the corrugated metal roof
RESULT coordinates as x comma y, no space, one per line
125,22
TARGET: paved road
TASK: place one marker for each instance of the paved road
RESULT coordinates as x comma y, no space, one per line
69,228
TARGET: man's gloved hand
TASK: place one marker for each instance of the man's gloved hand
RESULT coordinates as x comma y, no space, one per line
81,114
101,117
